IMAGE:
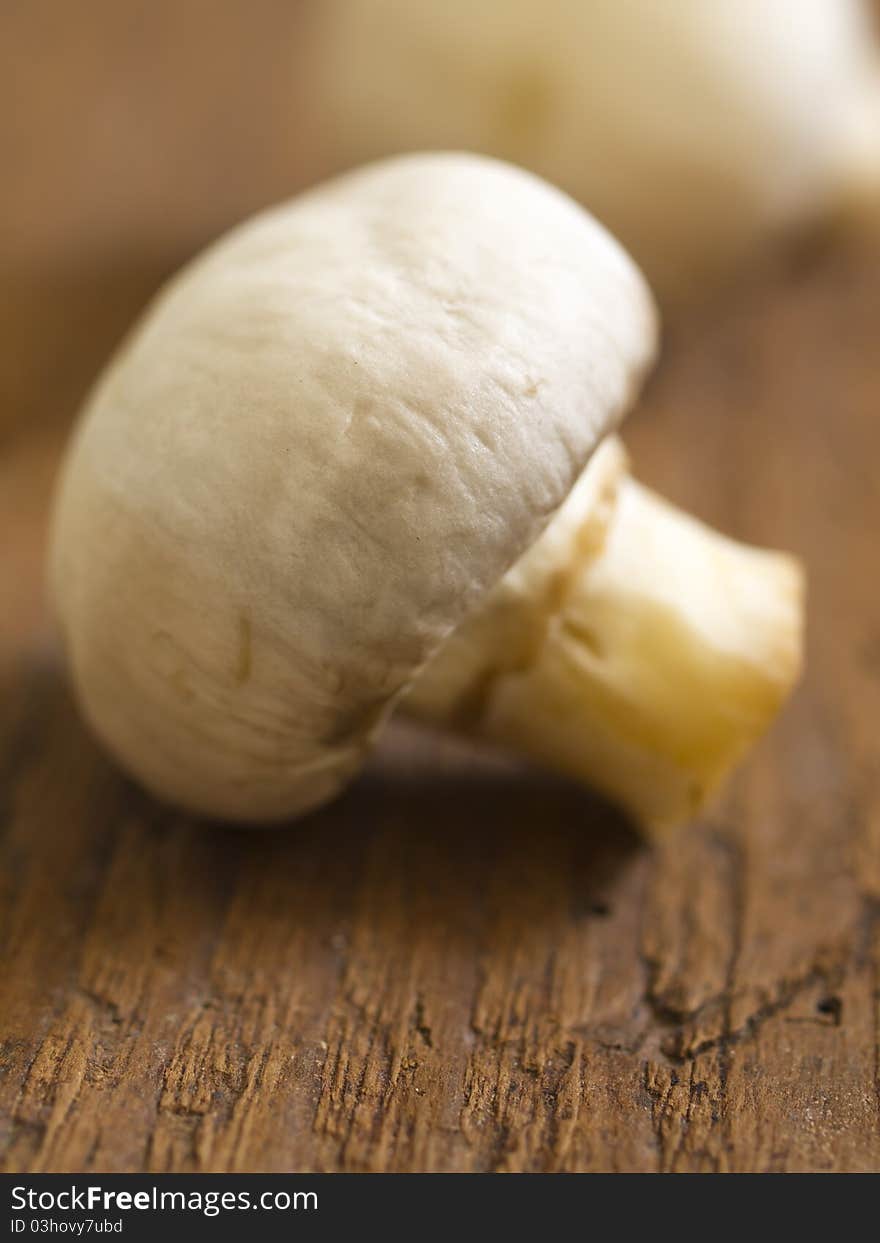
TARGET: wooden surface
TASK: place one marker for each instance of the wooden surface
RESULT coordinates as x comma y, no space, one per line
462,965
465,965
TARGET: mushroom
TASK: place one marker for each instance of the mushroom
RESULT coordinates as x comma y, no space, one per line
347,461
695,130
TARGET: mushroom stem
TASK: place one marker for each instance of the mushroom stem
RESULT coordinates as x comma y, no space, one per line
644,666
859,155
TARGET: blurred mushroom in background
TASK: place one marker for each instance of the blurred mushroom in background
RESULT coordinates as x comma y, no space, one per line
697,132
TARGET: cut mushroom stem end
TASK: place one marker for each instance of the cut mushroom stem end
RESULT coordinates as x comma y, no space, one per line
633,648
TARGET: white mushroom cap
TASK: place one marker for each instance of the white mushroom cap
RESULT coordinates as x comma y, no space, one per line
695,129
326,441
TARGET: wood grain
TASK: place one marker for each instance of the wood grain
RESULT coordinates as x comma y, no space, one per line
464,964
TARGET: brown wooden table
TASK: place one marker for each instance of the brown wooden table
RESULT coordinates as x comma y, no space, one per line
463,964
466,965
